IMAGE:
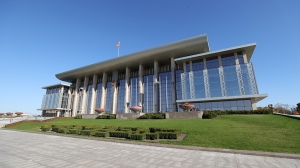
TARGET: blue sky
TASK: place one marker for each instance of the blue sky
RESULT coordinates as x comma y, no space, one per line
39,39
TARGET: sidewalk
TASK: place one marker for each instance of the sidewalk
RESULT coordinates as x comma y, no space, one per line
44,150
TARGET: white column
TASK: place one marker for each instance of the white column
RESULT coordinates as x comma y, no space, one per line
93,99
191,66
84,97
103,97
114,92
75,101
236,59
184,66
220,60
69,102
204,63
245,57
127,90
155,75
174,106
141,87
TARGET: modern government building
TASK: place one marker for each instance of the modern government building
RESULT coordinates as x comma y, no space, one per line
159,80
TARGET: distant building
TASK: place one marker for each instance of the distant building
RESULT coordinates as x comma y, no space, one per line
158,80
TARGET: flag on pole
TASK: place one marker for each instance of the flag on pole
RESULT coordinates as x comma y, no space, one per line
118,44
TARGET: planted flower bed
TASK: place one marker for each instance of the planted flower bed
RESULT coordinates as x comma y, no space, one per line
133,133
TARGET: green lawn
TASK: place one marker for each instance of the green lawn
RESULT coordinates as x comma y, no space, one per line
268,132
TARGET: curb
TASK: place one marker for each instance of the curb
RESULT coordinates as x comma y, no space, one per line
231,151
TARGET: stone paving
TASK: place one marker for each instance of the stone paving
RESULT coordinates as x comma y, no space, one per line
24,149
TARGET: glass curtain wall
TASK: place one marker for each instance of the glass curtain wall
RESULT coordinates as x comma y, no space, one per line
148,105
199,84
165,92
121,96
65,97
108,106
134,82
214,82
178,87
89,98
99,95
225,105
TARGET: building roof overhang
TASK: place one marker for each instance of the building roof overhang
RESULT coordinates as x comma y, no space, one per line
255,98
248,49
56,85
190,46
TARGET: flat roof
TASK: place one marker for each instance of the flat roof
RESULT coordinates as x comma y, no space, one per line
247,48
190,46
55,85
256,98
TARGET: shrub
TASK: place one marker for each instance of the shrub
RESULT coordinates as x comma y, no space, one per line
87,132
209,114
151,136
63,130
156,129
168,135
120,134
107,116
45,128
101,134
79,116
74,131
138,136
153,116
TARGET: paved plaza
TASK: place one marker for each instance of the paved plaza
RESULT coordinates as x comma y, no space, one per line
23,149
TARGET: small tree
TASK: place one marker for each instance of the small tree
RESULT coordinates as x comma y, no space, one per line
298,107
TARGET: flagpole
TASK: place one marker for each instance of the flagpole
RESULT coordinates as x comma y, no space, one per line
118,51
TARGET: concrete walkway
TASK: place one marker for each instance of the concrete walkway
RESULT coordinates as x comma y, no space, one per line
23,149
4,121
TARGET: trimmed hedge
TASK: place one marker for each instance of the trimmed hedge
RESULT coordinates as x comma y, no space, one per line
101,134
63,130
107,116
87,132
153,116
156,129
209,114
134,133
74,131
152,136
120,134
138,136
168,135
46,128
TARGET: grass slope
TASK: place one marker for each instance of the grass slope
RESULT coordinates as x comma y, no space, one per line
270,133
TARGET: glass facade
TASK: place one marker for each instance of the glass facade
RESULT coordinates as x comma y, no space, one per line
199,84
134,84
198,65
219,82
225,105
108,104
228,60
214,82
231,81
89,99
121,97
178,86
98,95
212,63
148,105
165,92
240,57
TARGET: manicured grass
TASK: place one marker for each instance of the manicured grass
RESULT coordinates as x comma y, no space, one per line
268,132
